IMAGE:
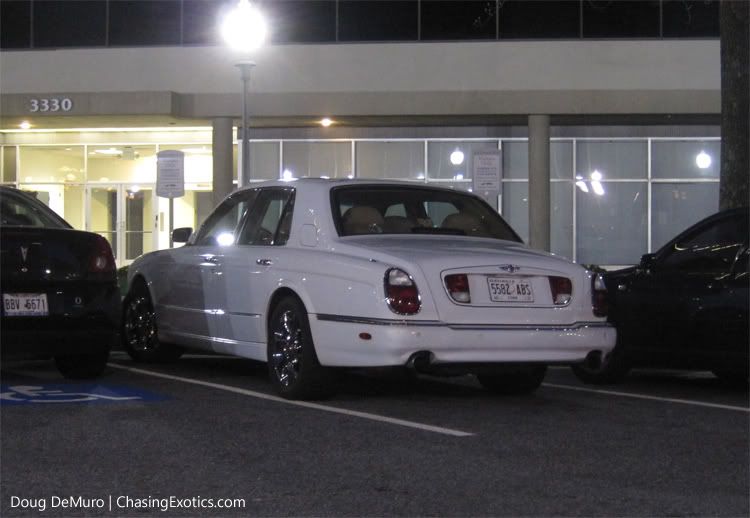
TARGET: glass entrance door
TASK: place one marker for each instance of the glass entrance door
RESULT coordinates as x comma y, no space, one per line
124,214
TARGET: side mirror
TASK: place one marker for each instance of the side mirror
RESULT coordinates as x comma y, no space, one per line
182,234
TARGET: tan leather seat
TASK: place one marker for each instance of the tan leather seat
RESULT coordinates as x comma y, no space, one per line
362,220
470,225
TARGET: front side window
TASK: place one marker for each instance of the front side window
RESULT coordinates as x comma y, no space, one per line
711,249
220,227
376,209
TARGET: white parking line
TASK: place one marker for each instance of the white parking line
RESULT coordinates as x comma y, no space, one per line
651,398
305,404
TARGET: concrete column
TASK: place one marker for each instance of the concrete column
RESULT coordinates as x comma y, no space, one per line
222,158
539,187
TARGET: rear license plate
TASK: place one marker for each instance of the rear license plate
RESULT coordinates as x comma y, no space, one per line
504,289
25,304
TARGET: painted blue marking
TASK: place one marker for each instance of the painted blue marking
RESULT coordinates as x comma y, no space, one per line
50,394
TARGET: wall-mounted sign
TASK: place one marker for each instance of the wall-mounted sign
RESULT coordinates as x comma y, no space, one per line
170,174
50,104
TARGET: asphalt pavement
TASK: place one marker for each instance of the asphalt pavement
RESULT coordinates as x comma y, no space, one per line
206,436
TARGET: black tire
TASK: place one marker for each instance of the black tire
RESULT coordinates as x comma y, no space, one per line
613,368
521,379
293,366
82,366
139,332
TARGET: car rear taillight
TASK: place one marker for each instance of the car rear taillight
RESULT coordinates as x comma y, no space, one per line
401,292
101,259
458,287
599,296
562,290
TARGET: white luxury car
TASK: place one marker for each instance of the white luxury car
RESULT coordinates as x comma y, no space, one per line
314,274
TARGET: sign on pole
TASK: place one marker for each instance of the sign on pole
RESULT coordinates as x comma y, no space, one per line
486,174
170,181
170,174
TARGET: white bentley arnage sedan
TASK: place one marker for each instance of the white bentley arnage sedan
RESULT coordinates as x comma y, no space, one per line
312,275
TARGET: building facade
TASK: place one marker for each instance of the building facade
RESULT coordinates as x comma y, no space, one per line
629,118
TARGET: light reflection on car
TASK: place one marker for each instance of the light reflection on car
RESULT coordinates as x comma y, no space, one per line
315,275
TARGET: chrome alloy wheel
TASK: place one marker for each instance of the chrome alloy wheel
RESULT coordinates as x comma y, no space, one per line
140,324
287,342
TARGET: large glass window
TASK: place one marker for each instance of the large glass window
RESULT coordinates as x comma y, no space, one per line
613,160
457,20
452,160
516,160
332,159
378,20
144,22
9,164
685,159
690,18
122,163
540,19
264,161
676,206
395,160
631,19
200,19
70,23
15,24
612,223
516,211
43,164
301,20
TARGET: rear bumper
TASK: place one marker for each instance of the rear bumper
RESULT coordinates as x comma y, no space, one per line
338,342
85,328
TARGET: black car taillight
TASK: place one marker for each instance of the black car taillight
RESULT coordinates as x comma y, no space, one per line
101,259
401,292
599,296
562,290
458,287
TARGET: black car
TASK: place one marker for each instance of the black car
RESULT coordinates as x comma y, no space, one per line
686,306
59,287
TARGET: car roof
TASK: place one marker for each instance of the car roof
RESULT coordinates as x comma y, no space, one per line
317,183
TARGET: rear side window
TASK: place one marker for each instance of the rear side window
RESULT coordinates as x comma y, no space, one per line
19,210
711,248
375,209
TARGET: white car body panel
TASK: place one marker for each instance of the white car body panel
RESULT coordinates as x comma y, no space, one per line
217,297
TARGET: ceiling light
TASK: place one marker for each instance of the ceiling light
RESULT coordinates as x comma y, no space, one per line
596,176
457,157
25,125
703,160
109,152
325,122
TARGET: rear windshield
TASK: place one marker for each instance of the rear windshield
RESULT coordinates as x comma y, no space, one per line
373,209
20,210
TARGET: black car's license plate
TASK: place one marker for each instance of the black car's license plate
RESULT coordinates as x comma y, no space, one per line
25,305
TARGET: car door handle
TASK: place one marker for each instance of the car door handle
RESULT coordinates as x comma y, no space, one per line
263,262
212,259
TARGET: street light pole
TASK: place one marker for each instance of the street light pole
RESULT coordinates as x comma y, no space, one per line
245,68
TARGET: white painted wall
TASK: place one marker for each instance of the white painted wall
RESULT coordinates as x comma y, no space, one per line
397,67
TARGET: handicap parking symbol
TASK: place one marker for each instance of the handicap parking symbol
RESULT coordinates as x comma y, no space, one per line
72,393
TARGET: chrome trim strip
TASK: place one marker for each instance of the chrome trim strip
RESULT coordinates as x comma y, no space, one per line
207,311
205,338
480,327
378,321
